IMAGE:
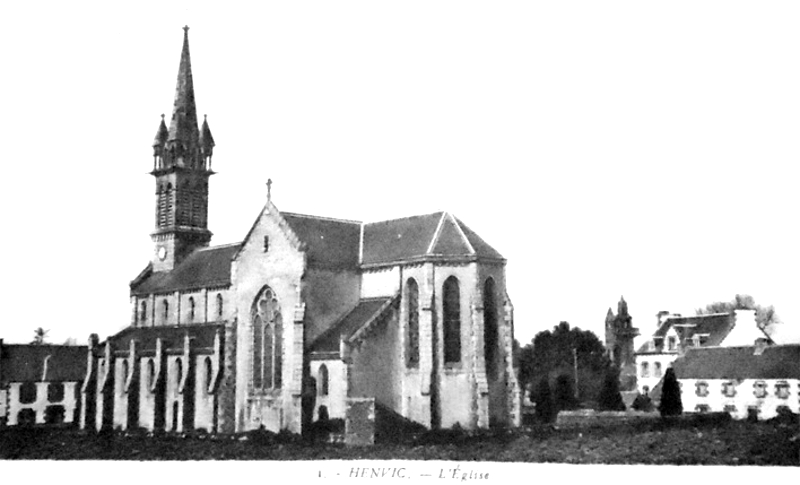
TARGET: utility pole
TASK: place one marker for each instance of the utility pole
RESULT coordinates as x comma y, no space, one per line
575,360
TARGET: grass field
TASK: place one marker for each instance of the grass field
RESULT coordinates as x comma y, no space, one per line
680,443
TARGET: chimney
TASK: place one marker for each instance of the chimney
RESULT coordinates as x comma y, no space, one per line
760,345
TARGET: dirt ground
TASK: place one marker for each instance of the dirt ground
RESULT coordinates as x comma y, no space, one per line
678,443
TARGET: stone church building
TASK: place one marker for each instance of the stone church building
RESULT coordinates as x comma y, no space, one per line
304,317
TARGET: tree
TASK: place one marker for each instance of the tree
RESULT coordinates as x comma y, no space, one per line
39,335
610,399
766,318
565,393
545,411
671,404
550,354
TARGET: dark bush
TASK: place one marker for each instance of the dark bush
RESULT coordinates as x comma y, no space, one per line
671,404
545,410
564,393
610,399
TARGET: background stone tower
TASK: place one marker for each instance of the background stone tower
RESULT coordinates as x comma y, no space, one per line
181,167
620,333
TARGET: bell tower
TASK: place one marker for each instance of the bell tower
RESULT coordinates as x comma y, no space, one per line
181,166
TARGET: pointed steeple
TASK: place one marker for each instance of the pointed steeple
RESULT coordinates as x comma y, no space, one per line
161,134
206,140
183,132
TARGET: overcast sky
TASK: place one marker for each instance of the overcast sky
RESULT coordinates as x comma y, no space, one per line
644,149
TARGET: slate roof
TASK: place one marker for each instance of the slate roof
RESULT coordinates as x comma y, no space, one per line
776,362
329,242
364,313
172,337
333,243
717,326
205,267
25,363
418,237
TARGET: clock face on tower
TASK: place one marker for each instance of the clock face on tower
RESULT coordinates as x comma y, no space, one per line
162,253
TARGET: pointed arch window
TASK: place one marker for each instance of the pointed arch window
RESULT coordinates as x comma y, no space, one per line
151,372
267,341
191,309
452,321
161,206
490,331
219,306
178,372
323,380
169,202
124,371
165,311
143,312
412,329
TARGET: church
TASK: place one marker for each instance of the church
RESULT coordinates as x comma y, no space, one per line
306,318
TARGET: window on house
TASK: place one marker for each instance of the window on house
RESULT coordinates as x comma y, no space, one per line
165,311
490,331
266,244
701,388
729,408
323,380
645,369
151,372
782,389
219,306
267,341
657,369
55,392
729,389
702,408
143,312
27,392
672,343
412,329
760,389
191,309
452,321
124,371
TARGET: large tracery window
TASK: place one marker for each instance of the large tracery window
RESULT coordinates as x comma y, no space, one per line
267,339
490,333
412,330
452,321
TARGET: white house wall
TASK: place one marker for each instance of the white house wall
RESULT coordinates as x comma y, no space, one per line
745,397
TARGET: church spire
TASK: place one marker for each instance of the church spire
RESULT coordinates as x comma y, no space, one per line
184,136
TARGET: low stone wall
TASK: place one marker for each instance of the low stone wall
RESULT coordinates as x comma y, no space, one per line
359,424
589,417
